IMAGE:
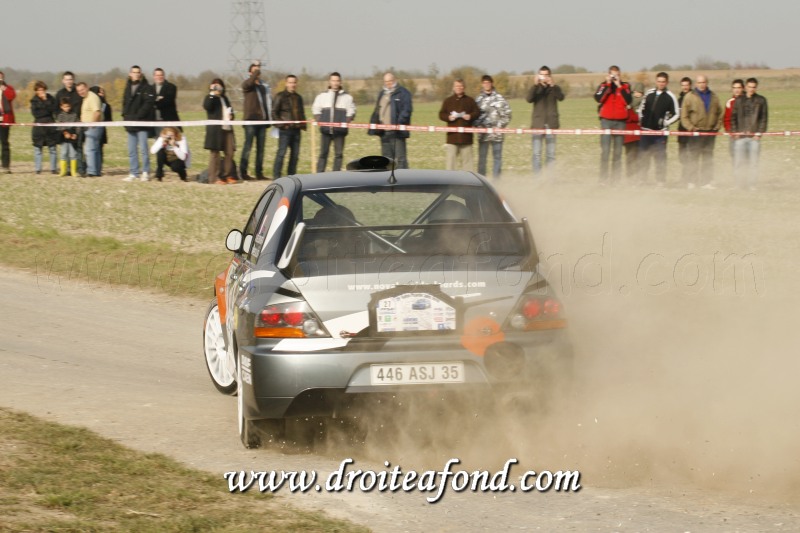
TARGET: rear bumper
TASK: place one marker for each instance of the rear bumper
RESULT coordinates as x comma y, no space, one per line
292,384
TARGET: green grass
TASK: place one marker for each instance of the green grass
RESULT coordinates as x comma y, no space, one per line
169,236
60,478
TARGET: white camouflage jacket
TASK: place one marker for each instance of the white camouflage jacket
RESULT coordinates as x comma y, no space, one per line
495,113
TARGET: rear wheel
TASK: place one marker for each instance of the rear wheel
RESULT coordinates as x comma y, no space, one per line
219,358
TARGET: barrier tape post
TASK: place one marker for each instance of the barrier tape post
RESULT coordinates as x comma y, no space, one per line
313,146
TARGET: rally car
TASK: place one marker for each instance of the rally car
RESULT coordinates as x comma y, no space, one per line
374,281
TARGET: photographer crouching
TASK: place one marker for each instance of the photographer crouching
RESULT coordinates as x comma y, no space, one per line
171,149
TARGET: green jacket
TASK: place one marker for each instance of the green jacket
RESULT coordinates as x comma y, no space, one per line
694,116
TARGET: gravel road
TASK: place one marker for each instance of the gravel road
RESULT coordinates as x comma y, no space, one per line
127,364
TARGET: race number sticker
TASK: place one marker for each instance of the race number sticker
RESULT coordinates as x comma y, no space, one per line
414,311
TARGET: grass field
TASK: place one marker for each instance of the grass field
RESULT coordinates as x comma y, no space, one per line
93,484
168,236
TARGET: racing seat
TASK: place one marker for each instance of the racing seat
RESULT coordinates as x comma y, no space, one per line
449,238
332,243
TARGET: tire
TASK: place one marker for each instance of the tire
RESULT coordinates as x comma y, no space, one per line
218,357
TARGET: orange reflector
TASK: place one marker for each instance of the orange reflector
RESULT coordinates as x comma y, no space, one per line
480,333
546,324
278,333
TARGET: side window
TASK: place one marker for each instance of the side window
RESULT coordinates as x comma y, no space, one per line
269,227
255,217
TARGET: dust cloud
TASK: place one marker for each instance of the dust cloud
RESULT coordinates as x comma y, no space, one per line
682,309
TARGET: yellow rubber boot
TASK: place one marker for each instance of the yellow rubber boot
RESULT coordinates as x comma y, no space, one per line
63,167
73,167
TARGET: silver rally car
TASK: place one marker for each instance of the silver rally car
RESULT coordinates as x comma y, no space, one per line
356,284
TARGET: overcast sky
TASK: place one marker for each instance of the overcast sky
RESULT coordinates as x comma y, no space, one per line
354,36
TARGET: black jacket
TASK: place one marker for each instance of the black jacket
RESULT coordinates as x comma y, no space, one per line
545,106
658,111
288,106
139,105
166,101
213,106
44,112
749,114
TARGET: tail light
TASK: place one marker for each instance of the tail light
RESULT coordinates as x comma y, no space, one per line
288,320
536,313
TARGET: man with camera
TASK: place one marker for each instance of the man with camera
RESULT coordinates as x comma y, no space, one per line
544,95
614,97
7,95
257,106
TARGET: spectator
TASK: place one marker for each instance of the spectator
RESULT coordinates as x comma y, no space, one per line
393,107
44,110
459,111
495,113
91,111
219,138
683,140
333,105
138,104
257,106
545,96
288,106
701,112
107,117
658,111
614,97
171,149
631,142
166,96
68,137
7,95
737,89
749,121
68,91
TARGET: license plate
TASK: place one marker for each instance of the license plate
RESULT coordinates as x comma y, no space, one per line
416,311
417,373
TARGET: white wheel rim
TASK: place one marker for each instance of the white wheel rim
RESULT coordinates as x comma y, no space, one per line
217,356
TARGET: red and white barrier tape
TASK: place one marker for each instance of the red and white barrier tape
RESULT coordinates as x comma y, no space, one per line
402,127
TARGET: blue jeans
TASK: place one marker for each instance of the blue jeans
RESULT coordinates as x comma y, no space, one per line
497,157
746,151
550,147
37,158
394,147
68,152
91,147
289,139
138,139
259,132
606,144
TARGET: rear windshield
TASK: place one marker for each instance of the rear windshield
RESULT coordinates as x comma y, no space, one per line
449,221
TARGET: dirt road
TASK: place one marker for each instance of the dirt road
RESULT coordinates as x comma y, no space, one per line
128,365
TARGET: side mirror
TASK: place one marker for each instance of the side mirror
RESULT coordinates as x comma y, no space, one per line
233,241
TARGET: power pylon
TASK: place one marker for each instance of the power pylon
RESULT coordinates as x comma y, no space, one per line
248,42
